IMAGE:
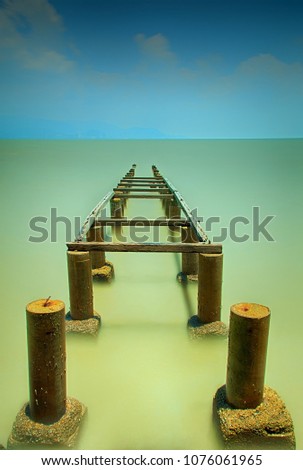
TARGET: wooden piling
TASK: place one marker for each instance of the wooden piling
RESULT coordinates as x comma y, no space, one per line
50,418
189,260
250,415
47,358
210,287
80,285
248,336
173,209
95,234
120,190
116,208
167,202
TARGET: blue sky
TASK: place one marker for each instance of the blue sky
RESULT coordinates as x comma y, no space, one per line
151,69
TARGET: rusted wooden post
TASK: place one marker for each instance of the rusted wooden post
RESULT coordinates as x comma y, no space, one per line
174,210
248,336
210,287
46,358
249,414
117,193
50,418
95,234
116,208
80,285
167,202
155,171
189,260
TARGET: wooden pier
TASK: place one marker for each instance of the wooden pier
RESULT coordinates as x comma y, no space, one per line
142,186
195,246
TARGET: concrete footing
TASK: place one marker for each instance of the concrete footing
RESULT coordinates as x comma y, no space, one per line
268,426
197,329
183,278
89,326
105,273
27,434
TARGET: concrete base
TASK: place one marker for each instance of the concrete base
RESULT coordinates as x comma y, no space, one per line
184,278
27,434
268,426
90,326
192,277
106,273
196,328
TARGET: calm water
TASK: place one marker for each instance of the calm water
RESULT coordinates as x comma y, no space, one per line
146,385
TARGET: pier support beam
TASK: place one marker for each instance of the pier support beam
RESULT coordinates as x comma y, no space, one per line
46,358
50,417
174,210
123,201
116,208
101,269
249,327
80,285
189,260
208,319
167,203
117,212
210,287
250,415
81,317
95,234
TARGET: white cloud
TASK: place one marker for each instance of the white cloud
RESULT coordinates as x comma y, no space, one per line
269,67
47,60
256,76
31,35
39,13
156,46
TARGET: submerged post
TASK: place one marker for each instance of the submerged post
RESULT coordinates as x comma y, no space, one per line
116,208
208,320
46,358
95,234
174,209
248,336
189,260
80,285
249,414
210,287
50,417
102,269
117,194
174,212
167,204
82,318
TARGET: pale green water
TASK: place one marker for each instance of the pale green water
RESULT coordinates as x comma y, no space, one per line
146,385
